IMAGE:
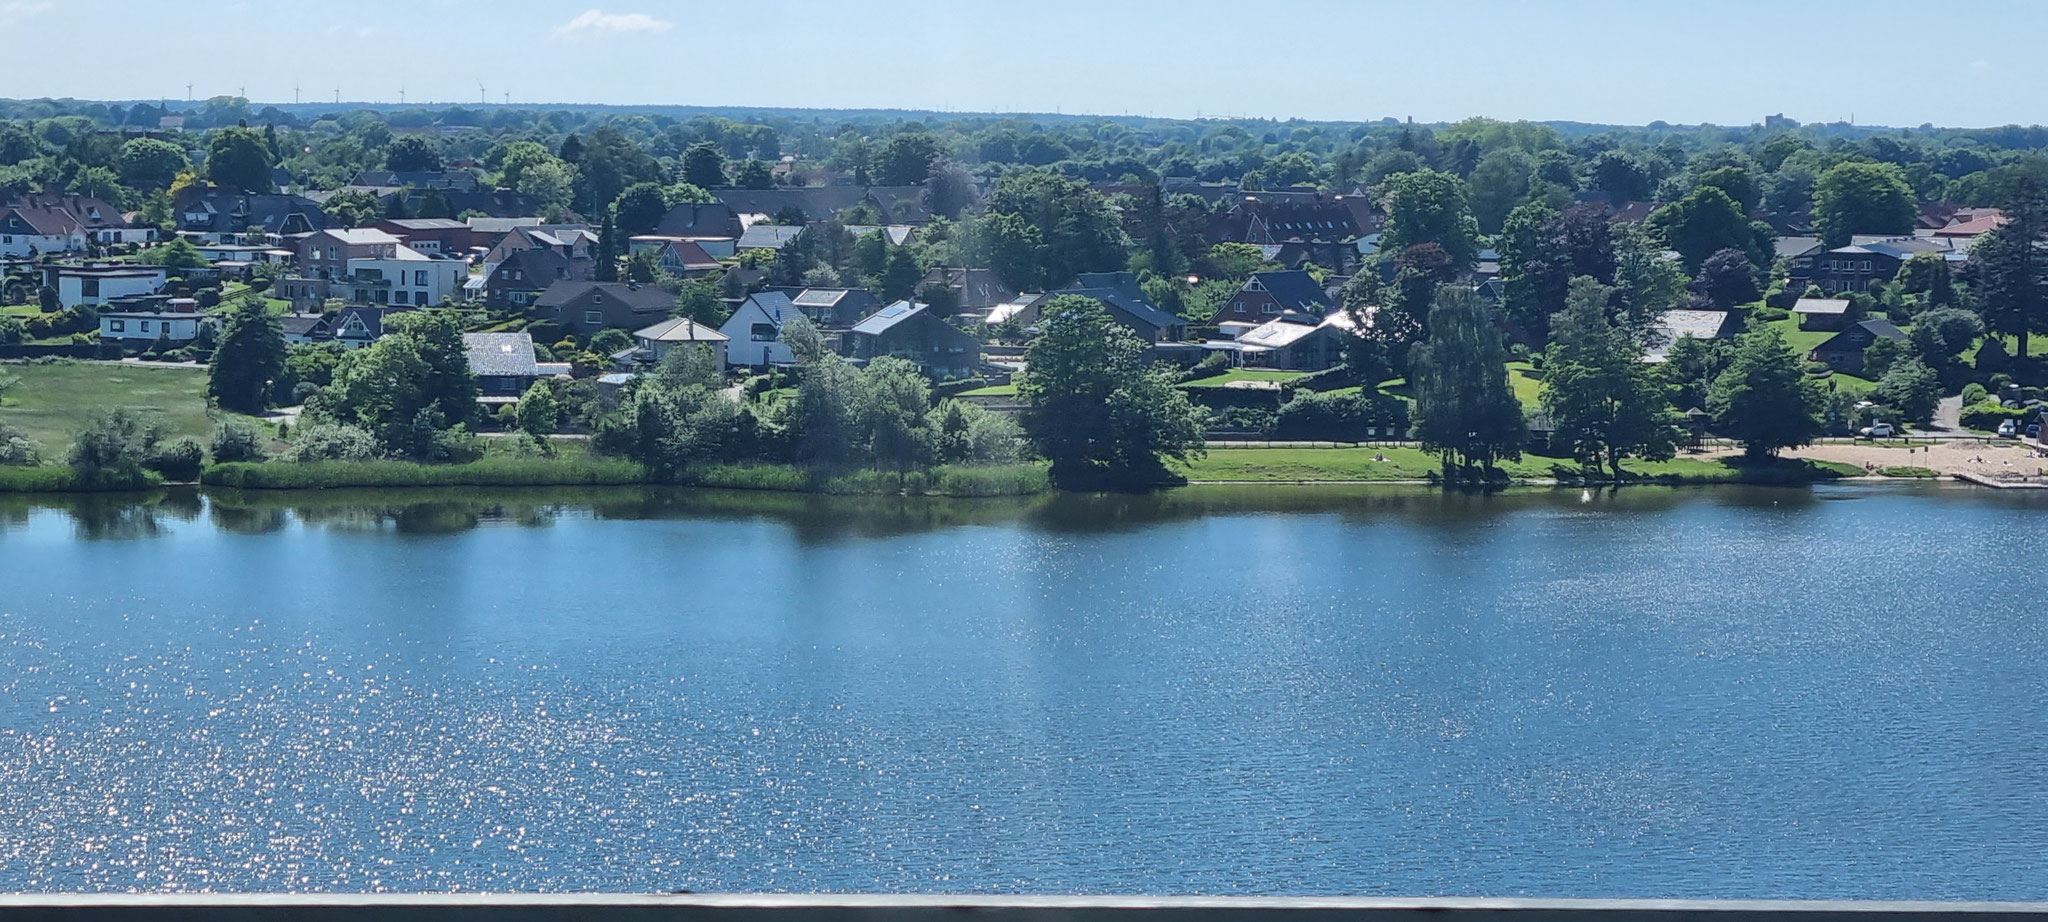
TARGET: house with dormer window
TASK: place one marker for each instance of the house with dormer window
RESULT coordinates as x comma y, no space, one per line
1269,295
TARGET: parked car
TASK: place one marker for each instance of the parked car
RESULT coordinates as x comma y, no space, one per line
2008,430
1879,431
2033,430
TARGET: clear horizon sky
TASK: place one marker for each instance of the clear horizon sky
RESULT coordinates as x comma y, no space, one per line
1880,62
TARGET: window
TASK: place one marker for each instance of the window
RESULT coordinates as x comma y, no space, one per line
763,332
1865,266
117,326
594,318
145,326
1272,308
398,298
419,297
419,277
89,287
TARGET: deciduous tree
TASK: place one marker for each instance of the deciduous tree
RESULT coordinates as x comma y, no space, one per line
1465,407
1763,399
1095,409
249,358
1605,402
1861,198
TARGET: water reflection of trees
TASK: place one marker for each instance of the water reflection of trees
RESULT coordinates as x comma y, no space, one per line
816,519
108,516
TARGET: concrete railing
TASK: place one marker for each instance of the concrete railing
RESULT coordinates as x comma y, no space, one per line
877,908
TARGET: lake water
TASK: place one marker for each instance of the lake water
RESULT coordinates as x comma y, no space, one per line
1719,692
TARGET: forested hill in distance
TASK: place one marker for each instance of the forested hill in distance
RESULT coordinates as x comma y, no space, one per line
491,115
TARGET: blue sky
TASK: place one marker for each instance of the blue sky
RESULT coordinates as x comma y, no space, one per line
1895,62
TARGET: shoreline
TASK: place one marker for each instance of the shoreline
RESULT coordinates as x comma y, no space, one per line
425,489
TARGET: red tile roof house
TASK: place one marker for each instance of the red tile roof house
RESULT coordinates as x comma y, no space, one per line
64,224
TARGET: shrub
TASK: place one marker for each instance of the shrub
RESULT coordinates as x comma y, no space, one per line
1339,417
1911,386
1211,365
236,440
179,459
455,446
1974,394
332,442
115,442
12,331
16,449
1986,417
208,297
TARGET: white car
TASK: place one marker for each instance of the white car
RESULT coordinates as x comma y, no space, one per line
1879,431
2008,430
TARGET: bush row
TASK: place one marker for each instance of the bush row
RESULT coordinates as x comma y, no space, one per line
50,479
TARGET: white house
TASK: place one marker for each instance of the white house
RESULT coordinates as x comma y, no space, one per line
29,231
99,284
243,253
64,224
178,323
407,277
754,331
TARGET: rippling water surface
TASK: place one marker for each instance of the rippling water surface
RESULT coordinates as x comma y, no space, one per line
1712,693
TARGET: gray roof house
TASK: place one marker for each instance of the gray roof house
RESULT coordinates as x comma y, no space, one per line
910,331
833,308
587,306
769,236
652,344
700,219
1843,351
504,365
1119,292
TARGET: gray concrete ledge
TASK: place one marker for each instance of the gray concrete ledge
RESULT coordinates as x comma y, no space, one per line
461,907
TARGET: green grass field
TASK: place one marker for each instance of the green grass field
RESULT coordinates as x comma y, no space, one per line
1236,375
1801,341
1285,465
1528,385
999,390
51,401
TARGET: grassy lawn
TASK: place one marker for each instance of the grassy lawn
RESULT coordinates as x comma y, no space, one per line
1802,341
51,401
1528,385
999,390
232,290
1245,374
1357,464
